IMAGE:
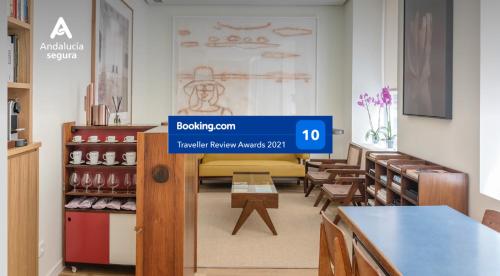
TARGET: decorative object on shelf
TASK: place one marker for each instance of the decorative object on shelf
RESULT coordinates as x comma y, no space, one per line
89,102
117,102
112,55
428,58
100,115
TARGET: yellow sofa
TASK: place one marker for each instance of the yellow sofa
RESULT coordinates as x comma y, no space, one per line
279,165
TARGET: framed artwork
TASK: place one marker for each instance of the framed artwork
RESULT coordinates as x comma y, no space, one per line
428,58
112,40
244,65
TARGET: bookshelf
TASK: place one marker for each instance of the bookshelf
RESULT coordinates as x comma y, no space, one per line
19,26
399,179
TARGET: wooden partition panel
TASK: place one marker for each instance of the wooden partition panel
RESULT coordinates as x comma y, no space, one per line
23,211
166,208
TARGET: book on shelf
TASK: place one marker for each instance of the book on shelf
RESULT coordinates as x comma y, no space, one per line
19,9
12,58
383,179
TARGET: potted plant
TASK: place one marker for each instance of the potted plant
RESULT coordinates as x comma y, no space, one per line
366,101
387,131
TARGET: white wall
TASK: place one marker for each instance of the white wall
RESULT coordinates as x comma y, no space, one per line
153,104
490,97
3,140
454,143
366,61
59,88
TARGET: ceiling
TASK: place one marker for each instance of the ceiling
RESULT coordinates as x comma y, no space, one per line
248,2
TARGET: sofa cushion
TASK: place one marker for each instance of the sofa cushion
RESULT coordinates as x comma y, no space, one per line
277,168
218,157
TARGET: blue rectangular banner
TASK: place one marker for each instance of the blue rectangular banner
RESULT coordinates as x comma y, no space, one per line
250,134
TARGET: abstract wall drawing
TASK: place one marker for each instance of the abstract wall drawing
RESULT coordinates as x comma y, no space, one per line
221,25
244,65
428,58
292,31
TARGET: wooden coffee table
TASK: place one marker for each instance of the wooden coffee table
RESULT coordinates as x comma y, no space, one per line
253,191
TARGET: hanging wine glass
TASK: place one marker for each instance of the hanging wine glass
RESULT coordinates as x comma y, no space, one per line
99,181
86,181
127,181
113,182
74,180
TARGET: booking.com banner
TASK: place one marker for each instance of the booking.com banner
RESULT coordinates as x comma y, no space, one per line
250,134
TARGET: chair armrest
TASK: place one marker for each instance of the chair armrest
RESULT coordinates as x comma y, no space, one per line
346,171
337,166
349,180
303,156
329,161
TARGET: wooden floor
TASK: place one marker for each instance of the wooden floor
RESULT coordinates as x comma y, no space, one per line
203,272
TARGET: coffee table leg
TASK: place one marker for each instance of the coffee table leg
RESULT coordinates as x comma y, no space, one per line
265,216
245,213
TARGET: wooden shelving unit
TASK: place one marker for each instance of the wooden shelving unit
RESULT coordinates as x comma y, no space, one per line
23,162
22,89
399,179
100,243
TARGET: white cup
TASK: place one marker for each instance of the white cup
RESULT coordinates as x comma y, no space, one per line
93,139
129,157
93,157
129,139
76,156
77,138
111,139
109,157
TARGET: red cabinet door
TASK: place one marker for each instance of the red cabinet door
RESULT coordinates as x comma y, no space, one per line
87,237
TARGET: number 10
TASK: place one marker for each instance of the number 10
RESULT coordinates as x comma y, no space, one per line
314,135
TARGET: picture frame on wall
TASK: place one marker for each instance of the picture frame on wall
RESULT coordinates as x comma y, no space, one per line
428,58
112,49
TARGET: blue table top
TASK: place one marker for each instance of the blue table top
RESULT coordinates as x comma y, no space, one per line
429,240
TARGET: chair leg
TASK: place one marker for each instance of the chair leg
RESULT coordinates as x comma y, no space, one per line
309,189
325,205
306,184
298,181
336,220
320,197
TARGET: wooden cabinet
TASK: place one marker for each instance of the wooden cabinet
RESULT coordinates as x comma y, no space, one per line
105,236
23,211
395,178
166,208
87,237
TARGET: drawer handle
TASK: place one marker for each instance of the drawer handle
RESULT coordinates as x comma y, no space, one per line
138,229
160,174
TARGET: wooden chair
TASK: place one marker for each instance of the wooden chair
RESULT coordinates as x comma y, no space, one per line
332,250
361,266
320,177
491,218
345,190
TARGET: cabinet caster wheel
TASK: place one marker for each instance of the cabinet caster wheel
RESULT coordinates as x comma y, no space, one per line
74,269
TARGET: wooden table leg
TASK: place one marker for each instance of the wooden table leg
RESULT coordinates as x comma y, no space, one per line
251,205
265,216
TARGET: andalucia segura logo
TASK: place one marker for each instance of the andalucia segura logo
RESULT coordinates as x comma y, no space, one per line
65,50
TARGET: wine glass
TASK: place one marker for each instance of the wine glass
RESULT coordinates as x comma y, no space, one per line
99,181
74,180
127,181
134,183
113,182
86,181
